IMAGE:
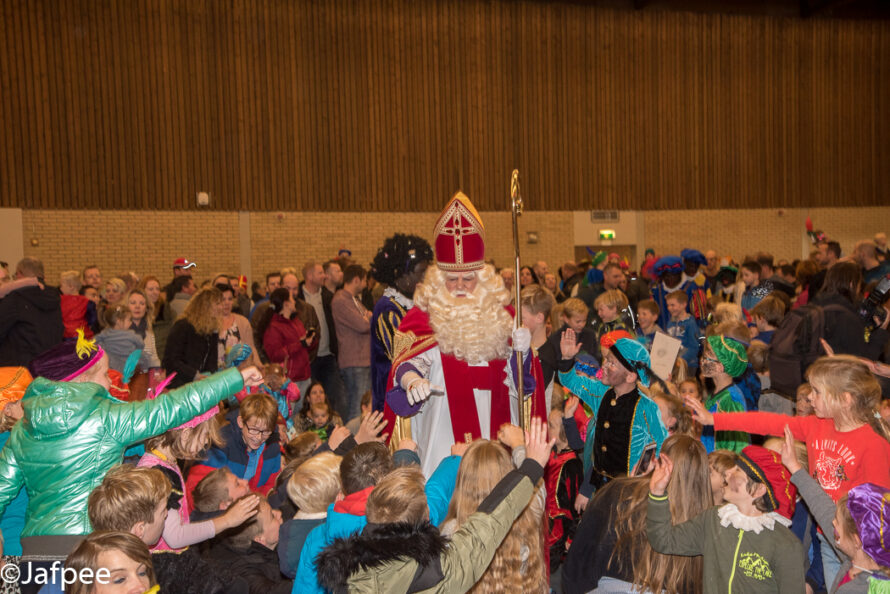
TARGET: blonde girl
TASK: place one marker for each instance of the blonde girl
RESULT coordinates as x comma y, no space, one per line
518,565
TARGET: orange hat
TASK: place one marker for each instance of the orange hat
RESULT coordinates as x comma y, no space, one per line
460,236
13,383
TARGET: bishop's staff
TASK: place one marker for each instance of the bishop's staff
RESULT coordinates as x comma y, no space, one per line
516,209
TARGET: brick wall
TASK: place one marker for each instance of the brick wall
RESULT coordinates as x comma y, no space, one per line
148,241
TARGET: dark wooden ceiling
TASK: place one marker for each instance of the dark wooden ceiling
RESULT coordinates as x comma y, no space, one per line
838,9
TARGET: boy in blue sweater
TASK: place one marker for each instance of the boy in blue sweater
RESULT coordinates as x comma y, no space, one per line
682,326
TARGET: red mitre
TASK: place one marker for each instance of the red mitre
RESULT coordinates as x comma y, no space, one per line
460,236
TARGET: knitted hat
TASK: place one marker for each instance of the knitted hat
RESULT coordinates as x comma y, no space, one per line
765,466
668,264
731,353
67,360
634,357
869,506
13,383
690,255
459,236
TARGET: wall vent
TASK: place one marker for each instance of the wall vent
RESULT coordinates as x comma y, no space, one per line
604,216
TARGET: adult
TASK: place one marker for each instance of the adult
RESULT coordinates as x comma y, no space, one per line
353,325
712,267
192,348
866,255
527,277
141,324
161,316
285,340
453,372
540,269
74,431
234,328
625,421
179,293
668,273
845,331
92,276
399,264
612,277
333,275
508,275
324,366
881,246
183,267
115,291
30,316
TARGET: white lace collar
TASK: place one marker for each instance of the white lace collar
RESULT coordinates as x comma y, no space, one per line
393,294
729,514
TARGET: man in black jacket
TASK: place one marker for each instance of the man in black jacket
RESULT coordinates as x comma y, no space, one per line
30,316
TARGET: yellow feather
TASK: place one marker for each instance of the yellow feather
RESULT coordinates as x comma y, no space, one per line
84,346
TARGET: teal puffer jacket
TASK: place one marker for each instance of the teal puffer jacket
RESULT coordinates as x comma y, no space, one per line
73,433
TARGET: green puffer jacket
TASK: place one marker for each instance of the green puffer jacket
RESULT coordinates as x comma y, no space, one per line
73,433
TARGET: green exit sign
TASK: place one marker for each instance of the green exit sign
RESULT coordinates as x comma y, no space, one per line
607,234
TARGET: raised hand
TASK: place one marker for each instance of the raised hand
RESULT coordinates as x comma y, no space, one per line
371,428
459,449
572,403
661,475
568,344
789,457
338,436
252,376
699,412
511,435
537,447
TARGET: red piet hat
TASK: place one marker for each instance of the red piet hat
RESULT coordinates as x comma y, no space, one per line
765,466
460,236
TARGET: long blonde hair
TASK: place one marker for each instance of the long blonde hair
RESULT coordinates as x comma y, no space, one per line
483,465
689,493
201,311
842,374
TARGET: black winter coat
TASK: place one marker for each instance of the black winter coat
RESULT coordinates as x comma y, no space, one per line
30,323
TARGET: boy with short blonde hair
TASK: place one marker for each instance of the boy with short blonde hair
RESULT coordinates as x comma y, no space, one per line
647,319
573,315
131,499
312,487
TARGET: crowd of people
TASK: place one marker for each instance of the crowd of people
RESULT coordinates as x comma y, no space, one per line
392,428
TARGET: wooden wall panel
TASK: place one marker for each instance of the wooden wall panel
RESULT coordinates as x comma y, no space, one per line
392,105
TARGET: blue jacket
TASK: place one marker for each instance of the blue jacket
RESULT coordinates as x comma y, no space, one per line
646,426
439,489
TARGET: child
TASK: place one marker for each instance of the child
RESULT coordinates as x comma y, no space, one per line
803,406
690,388
313,487
683,327
120,553
846,440
315,393
215,494
77,310
536,305
118,340
745,544
360,471
562,477
608,307
755,290
320,413
674,415
720,462
647,320
767,316
573,316
134,500
854,525
723,359
770,400
401,550
250,445
186,442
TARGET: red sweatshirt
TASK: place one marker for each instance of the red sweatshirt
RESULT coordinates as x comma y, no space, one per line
838,460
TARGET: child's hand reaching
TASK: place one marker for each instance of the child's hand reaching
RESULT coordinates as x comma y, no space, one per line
537,447
238,513
789,457
459,449
569,345
338,436
661,476
699,412
510,435
370,428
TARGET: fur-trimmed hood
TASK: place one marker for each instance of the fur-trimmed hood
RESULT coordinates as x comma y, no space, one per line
378,544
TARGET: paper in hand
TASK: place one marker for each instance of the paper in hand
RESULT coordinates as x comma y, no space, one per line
665,349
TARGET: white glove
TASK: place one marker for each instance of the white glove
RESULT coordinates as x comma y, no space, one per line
418,388
522,340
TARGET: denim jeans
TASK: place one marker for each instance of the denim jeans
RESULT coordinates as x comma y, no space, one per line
357,381
325,370
830,562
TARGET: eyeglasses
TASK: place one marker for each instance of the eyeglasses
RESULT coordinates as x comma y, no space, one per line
711,359
255,431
